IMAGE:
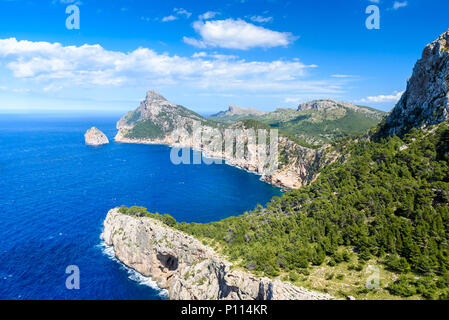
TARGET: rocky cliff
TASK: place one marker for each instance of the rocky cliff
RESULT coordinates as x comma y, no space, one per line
426,100
158,121
185,267
95,137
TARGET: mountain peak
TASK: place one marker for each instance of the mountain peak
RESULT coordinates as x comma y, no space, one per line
153,96
234,110
325,104
426,100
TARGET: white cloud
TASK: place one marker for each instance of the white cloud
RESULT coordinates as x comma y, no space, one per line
237,34
399,4
261,19
195,42
208,15
216,56
178,12
181,11
201,54
384,98
169,18
342,76
294,100
54,67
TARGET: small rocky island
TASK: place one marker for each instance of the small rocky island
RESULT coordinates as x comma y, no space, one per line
95,137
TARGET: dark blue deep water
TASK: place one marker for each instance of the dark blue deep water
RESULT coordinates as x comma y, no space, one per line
55,193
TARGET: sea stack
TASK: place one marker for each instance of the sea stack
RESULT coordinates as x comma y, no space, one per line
95,137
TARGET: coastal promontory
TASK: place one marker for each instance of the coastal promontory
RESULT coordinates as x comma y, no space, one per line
185,267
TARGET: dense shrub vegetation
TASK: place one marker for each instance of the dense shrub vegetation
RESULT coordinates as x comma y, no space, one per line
145,130
141,212
313,128
387,199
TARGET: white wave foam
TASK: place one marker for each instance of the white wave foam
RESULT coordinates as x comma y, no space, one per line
133,274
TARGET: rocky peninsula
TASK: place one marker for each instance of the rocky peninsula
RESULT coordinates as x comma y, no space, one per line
185,267
157,120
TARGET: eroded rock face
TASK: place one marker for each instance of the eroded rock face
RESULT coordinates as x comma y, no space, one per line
426,100
177,125
95,137
185,267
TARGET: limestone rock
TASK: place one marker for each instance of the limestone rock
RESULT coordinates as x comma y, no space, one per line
173,125
185,267
95,137
426,100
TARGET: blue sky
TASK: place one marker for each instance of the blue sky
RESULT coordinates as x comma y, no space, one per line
206,55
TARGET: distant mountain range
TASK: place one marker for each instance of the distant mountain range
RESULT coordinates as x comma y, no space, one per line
236,111
316,123
304,133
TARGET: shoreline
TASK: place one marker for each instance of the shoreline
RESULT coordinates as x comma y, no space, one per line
185,268
164,293
264,178
134,275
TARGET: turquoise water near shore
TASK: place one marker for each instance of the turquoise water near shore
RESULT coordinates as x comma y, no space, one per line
55,193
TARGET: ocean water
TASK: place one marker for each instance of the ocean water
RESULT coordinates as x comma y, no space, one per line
55,193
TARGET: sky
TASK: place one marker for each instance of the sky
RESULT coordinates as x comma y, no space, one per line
205,55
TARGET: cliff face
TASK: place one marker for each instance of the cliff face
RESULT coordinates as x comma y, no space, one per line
156,118
158,121
185,267
426,100
95,137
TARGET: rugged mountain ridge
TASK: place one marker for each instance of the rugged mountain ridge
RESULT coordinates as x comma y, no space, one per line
332,104
185,267
238,111
426,99
317,122
156,118
158,121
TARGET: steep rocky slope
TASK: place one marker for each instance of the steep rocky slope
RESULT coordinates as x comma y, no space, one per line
185,267
158,121
426,100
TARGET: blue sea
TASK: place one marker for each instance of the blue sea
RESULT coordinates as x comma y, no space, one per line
55,193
